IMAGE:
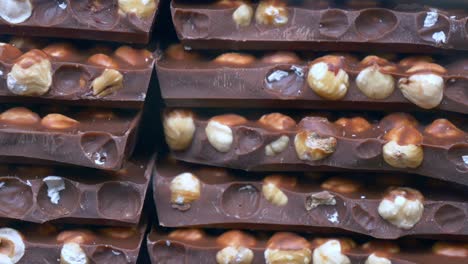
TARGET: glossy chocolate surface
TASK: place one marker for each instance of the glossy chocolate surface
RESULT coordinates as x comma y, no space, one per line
200,81
166,248
326,25
83,19
100,139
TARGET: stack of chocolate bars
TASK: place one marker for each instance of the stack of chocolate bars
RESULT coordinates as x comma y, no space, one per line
314,132
71,191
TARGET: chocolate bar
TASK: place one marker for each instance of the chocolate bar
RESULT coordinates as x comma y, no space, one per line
436,148
75,195
60,71
93,138
213,246
321,25
110,20
57,243
286,80
313,203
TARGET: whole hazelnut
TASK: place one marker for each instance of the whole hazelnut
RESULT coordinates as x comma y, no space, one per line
375,84
442,130
403,148
396,120
15,11
133,56
327,79
242,16
402,207
341,185
31,75
76,236
118,232
381,246
9,52
425,90
189,235
451,249
141,8
271,12
61,51
19,116
12,245
375,259
271,188
412,60
235,59
277,146
185,188
277,121
58,122
281,57
354,125
312,146
236,248
236,238
177,52
330,252
219,133
179,128
103,60
287,248
107,83
72,253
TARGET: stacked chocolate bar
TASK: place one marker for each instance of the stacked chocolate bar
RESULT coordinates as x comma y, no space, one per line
71,191
285,151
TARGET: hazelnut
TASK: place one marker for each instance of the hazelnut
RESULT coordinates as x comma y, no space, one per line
219,133
236,248
330,252
381,246
403,149
271,189
229,3
341,185
402,207
396,120
443,130
277,121
235,59
31,74
9,52
47,229
327,79
103,60
72,253
451,249
19,116
141,8
271,12
185,188
412,60
61,51
15,11
281,57
311,146
58,121
189,235
354,125
319,198
346,243
426,90
107,83
11,245
179,129
236,238
277,146
118,232
242,16
375,84
76,236
287,248
423,66
177,52
133,56
374,259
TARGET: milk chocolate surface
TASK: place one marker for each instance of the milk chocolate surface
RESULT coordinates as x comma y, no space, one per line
93,138
280,80
79,73
107,20
360,148
325,25
165,246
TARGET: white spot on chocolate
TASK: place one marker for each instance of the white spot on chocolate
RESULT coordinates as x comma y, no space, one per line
2,184
168,243
55,185
465,159
277,76
28,183
333,218
431,18
63,5
439,37
117,253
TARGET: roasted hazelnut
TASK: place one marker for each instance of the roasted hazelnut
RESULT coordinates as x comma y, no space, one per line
242,16
31,74
236,238
235,59
58,121
277,146
354,125
76,236
271,188
236,248
219,133
319,198
330,252
381,246
118,232
189,235
271,12
103,60
396,120
107,83
451,249
281,57
11,245
341,185
402,207
327,78
375,84
141,8
229,3
72,253
312,146
277,121
19,116
177,52
287,248
179,129
133,56
185,188
443,130
346,243
375,259
61,51
420,67
15,11
403,148
412,60
9,52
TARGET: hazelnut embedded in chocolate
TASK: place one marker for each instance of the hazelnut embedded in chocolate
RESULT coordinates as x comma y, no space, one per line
219,133
341,185
331,251
277,121
271,188
374,83
271,12
235,59
19,116
185,188
312,146
443,131
189,235
179,128
403,148
58,122
284,247
402,207
141,8
242,16
236,248
451,249
12,245
354,125
327,79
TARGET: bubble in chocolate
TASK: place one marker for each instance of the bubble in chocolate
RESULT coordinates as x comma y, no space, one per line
16,197
375,23
333,23
119,200
96,13
168,252
433,27
364,219
100,148
249,140
450,218
68,80
50,12
65,202
241,200
106,254
456,90
285,81
192,24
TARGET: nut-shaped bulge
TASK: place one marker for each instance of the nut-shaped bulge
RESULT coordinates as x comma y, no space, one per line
19,116
375,84
354,125
76,236
15,11
219,133
311,146
236,238
425,90
287,248
31,75
402,207
235,59
190,235
341,185
374,259
58,122
451,249
271,12
141,8
177,52
328,81
330,253
277,121
72,253
179,129
12,244
443,130
242,16
185,188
